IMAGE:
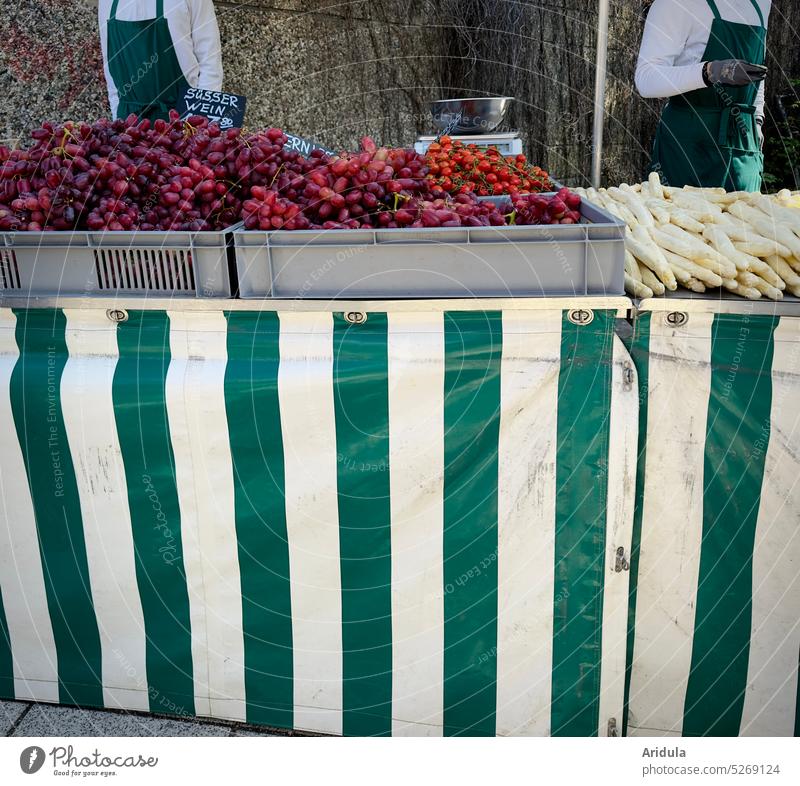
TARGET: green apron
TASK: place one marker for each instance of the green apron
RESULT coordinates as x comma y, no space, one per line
144,66
707,137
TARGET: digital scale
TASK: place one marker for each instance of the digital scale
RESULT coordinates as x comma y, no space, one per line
509,144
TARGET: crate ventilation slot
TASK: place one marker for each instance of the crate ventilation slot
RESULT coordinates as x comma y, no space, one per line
9,270
144,269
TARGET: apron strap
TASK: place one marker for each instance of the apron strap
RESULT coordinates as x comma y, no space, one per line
714,10
159,9
758,11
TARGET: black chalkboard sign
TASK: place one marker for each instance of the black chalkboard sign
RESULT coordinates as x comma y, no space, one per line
302,145
226,109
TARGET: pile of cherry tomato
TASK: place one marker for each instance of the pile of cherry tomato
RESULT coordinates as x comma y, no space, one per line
462,168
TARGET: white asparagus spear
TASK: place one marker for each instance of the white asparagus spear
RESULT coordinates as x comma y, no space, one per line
634,204
684,219
708,277
751,293
784,215
756,282
741,259
682,275
752,243
617,209
741,289
681,246
722,243
706,190
655,258
659,210
793,262
692,247
717,195
762,269
654,183
649,280
708,210
782,269
768,290
631,266
636,288
766,226
694,285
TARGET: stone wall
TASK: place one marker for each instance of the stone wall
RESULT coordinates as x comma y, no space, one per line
336,69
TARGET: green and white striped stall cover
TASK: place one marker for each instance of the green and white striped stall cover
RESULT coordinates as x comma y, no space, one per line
406,526
717,598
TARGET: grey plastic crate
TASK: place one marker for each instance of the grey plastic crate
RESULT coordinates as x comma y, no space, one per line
182,264
527,261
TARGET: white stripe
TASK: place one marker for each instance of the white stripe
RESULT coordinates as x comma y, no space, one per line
526,514
88,407
199,427
33,647
672,521
622,455
416,461
771,694
305,389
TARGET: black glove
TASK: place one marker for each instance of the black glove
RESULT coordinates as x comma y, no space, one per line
734,73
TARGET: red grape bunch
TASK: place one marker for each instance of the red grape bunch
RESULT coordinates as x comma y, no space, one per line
563,207
370,188
190,175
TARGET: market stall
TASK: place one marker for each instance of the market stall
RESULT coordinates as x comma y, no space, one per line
400,518
715,595
259,469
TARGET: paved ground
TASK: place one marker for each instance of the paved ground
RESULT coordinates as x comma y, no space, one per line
23,719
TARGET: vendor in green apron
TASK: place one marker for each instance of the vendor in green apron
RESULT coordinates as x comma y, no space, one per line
708,57
153,50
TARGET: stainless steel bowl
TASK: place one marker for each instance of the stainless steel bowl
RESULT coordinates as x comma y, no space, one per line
477,115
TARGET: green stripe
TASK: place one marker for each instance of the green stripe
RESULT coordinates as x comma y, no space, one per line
140,411
797,702
254,426
36,403
6,661
584,400
361,403
473,348
640,349
737,435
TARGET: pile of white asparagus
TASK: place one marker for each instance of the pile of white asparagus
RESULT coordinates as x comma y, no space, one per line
702,238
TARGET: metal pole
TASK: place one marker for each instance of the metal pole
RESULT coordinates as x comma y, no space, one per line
599,91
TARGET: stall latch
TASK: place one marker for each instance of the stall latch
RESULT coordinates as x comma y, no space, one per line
117,315
627,376
612,728
620,563
677,318
355,317
580,316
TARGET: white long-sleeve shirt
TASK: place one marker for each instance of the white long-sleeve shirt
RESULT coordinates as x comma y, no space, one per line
195,35
675,38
